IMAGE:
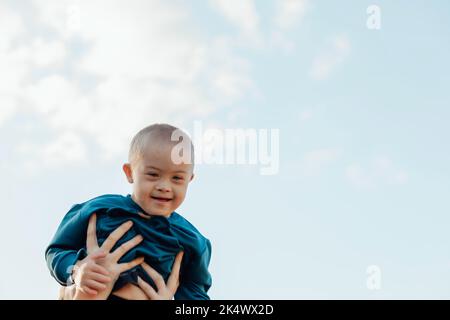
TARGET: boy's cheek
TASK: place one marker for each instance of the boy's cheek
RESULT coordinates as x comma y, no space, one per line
144,186
179,198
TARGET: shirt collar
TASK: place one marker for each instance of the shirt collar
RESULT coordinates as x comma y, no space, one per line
137,208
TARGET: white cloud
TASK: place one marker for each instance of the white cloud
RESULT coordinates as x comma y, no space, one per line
145,62
324,64
315,161
244,16
230,84
66,149
148,39
358,176
379,171
17,60
305,115
48,53
386,170
12,68
230,77
280,40
12,26
53,14
51,94
289,13
241,14
7,109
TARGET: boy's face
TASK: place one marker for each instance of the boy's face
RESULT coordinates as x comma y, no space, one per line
159,185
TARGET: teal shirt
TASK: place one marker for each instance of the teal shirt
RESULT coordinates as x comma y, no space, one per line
163,239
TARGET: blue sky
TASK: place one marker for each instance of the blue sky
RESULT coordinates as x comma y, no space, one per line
363,119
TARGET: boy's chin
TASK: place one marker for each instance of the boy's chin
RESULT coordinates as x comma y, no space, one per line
161,213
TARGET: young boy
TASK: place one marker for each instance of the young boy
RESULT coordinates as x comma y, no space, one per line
160,176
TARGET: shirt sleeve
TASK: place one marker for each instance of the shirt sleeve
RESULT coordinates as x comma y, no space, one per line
197,280
67,245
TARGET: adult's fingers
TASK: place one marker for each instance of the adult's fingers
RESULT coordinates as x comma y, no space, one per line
95,285
116,235
125,247
149,291
130,265
89,291
156,277
91,239
99,269
100,278
99,254
174,278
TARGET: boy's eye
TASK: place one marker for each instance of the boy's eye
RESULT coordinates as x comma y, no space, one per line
178,178
152,174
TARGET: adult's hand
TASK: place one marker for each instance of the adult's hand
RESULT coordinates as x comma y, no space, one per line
166,291
102,257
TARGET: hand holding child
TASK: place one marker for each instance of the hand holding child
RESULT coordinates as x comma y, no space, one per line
97,273
89,276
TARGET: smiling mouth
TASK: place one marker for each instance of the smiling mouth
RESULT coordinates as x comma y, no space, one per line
161,199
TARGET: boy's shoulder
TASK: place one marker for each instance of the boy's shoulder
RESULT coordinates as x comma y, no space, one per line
103,202
189,231
179,220
107,200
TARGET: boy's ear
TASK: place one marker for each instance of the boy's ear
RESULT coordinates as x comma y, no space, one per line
128,172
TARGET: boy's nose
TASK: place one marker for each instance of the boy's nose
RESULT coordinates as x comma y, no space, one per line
163,187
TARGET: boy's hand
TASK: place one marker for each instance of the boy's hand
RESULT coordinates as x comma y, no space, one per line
89,276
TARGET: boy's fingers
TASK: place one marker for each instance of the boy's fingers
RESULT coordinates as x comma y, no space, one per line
124,248
173,281
91,240
116,235
130,265
156,277
149,291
